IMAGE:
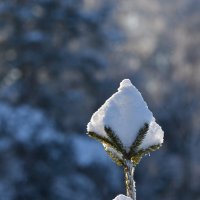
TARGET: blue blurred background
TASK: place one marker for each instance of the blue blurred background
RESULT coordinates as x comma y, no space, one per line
60,60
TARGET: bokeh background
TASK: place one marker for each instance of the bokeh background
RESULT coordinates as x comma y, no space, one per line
60,60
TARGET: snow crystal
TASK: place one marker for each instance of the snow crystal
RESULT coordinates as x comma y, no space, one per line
122,197
125,112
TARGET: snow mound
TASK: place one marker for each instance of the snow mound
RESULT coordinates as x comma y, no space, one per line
122,197
125,112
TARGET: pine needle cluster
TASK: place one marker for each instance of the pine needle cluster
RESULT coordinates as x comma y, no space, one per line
116,150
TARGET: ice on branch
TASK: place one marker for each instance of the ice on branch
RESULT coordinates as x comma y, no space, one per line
122,197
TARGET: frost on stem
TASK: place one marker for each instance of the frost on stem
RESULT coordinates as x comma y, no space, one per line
127,129
129,169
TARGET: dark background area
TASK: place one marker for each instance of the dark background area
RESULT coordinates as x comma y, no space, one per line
60,60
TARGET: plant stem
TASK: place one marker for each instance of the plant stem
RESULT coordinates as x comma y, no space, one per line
129,169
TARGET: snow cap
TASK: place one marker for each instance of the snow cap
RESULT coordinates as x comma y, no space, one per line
122,197
125,83
126,112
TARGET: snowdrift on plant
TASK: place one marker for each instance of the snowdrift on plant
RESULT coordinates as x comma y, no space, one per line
125,112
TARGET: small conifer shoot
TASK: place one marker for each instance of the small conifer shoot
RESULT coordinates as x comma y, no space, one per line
127,129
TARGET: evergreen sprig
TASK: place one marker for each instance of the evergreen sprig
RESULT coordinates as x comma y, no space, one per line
115,140
149,149
138,156
115,155
99,138
114,147
138,141
110,146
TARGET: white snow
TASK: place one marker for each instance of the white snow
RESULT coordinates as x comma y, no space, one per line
122,197
125,112
154,136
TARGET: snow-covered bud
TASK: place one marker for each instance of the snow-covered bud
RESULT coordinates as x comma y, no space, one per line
125,123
